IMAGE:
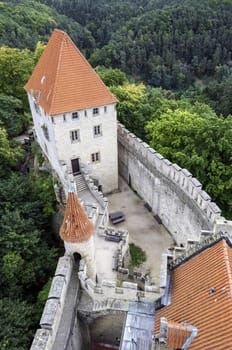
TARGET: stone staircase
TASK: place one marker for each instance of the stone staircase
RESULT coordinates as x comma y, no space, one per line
80,183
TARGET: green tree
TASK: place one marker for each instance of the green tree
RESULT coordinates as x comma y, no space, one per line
15,68
26,249
133,109
111,77
12,115
42,185
197,139
10,153
16,324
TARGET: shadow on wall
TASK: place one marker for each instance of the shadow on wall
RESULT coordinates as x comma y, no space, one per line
106,331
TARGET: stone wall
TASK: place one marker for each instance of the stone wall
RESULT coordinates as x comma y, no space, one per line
172,192
45,337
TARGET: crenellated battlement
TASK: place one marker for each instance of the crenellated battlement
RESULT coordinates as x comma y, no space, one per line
46,336
166,187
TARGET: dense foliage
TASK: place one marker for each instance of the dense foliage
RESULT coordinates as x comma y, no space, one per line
27,255
27,252
176,96
173,46
194,137
25,22
188,133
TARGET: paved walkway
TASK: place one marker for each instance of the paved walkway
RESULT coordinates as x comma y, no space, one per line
69,313
144,230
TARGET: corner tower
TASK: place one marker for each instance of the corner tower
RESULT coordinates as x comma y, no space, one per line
77,233
74,113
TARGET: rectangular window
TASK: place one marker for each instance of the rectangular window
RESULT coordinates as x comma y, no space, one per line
75,135
45,130
74,115
37,109
64,117
96,111
52,120
105,109
86,114
95,157
97,131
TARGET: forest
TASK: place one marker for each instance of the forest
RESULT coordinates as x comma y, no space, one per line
169,62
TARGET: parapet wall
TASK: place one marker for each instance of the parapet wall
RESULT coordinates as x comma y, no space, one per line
45,336
172,192
98,195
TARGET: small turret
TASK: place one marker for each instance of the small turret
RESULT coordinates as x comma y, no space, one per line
77,233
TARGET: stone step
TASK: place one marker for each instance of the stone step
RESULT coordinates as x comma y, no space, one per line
80,183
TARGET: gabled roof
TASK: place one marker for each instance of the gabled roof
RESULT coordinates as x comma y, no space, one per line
202,296
63,81
76,226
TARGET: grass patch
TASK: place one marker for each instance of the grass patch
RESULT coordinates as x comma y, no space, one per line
138,256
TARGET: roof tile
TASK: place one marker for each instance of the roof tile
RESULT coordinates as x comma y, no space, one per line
63,80
76,226
202,296
177,334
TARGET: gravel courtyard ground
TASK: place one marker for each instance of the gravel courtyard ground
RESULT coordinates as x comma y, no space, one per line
144,230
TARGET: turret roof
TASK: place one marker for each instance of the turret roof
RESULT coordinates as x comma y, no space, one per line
63,80
76,226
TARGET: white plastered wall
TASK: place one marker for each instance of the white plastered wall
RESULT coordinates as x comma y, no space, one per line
87,252
60,148
106,170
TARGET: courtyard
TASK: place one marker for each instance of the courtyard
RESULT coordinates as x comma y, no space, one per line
144,230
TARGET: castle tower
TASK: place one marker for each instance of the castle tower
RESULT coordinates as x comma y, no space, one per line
74,113
77,233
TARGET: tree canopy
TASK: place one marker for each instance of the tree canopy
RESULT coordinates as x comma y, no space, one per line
194,137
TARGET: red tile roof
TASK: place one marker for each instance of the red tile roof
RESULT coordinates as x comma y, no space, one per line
63,81
76,226
202,296
177,334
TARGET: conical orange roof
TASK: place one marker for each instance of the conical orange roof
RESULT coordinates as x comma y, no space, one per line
63,81
76,226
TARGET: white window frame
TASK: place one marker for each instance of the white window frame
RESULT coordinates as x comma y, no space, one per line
95,111
75,135
75,115
97,130
95,157
37,107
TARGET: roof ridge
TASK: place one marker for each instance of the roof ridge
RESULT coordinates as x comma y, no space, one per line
87,62
227,263
58,66
71,83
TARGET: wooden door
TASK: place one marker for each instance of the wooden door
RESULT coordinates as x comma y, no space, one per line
75,166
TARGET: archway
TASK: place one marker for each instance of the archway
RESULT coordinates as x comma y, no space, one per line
77,258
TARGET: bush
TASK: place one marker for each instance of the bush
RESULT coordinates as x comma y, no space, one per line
138,256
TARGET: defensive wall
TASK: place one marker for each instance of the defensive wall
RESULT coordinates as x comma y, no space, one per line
47,336
174,196
172,193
